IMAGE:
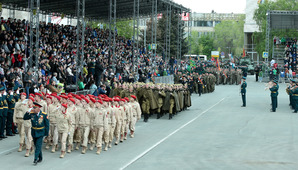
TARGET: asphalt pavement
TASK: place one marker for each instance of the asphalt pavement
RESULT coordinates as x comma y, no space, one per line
215,133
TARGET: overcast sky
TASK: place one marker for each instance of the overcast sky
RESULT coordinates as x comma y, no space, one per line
219,6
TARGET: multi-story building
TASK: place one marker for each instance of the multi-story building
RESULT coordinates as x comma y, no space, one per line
250,27
204,23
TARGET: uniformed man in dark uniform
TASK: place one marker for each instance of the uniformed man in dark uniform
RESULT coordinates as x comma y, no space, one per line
274,94
39,129
294,94
11,103
243,91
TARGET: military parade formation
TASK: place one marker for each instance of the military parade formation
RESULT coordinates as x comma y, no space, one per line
72,121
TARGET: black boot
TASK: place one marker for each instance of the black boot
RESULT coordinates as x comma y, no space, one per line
170,116
146,116
158,115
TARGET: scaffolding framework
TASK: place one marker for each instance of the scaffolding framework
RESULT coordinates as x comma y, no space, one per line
135,41
168,32
112,32
81,25
34,33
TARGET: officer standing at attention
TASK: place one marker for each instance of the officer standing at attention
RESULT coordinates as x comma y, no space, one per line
39,129
243,91
274,94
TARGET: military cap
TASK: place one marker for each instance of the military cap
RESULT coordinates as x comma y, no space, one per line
37,105
275,81
2,88
24,94
244,78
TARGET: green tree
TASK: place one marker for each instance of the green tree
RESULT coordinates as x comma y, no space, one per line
161,35
261,20
124,27
229,36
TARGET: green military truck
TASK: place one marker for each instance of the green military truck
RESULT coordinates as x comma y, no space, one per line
247,64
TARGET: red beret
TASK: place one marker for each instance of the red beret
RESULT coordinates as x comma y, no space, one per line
49,97
133,96
73,100
82,95
62,96
126,98
69,96
116,100
32,95
24,94
93,100
110,99
64,105
99,101
86,99
78,97
117,97
106,99
38,94
31,98
57,97
123,100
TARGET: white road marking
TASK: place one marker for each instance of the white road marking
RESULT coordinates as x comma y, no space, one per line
8,150
165,138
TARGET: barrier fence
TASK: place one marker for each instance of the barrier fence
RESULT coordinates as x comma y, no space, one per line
165,79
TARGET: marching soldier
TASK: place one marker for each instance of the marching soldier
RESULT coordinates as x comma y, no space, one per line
99,124
92,135
84,121
63,126
53,133
136,114
24,126
40,128
72,110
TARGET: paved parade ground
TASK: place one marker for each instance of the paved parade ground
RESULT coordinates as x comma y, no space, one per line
215,133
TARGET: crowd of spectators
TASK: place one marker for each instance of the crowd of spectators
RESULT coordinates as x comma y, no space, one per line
57,65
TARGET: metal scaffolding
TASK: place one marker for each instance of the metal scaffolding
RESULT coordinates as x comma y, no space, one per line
189,33
112,32
268,29
135,41
34,33
179,26
168,31
80,38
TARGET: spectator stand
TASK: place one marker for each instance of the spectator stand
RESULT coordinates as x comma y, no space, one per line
101,10
277,20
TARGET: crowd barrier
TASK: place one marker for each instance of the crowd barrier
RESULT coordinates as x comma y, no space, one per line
165,79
